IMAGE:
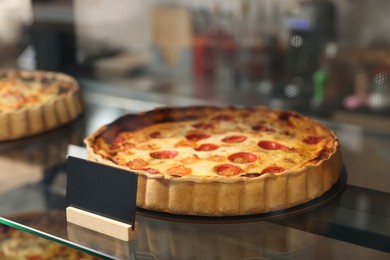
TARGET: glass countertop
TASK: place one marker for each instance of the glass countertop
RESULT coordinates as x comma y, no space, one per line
350,221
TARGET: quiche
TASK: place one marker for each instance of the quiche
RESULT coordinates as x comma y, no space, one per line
220,161
16,244
32,102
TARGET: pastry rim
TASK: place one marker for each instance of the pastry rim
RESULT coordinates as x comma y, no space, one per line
41,117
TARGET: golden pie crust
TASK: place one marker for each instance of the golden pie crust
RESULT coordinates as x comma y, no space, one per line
48,110
310,176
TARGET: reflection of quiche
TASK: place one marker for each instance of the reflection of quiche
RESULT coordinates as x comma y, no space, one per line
220,161
16,244
32,102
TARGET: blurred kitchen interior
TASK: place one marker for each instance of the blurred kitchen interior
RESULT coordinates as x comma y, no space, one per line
324,58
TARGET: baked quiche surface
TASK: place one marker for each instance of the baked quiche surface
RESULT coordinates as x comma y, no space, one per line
32,102
220,161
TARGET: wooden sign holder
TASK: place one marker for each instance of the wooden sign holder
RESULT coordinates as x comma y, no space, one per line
99,223
101,198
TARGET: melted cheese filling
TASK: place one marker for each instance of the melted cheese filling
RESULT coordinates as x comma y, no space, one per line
16,94
294,155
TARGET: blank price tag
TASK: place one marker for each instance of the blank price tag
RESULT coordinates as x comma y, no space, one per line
103,190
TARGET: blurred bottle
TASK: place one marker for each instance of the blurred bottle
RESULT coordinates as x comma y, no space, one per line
259,51
54,40
312,28
213,45
320,79
379,98
201,53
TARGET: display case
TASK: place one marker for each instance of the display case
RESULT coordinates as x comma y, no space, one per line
350,220
142,55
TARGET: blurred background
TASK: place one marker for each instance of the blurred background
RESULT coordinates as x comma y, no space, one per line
325,58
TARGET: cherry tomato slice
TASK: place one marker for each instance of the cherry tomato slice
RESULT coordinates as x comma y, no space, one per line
207,147
234,139
270,145
151,170
312,139
169,154
137,164
242,157
155,135
179,170
197,136
227,170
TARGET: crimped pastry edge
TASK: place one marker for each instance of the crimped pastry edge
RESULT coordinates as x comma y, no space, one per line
37,119
237,196
231,196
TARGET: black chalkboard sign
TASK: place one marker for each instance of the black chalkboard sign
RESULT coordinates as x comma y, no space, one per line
103,190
